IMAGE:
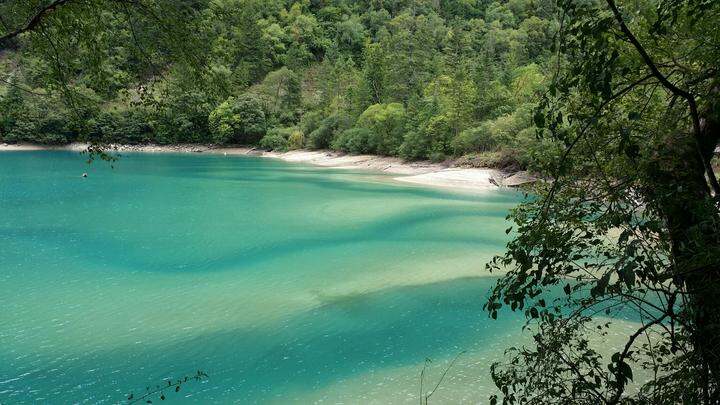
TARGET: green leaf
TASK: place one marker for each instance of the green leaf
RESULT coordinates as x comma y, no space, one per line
600,286
626,370
628,274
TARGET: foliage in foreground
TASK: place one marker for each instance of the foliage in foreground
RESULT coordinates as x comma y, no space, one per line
629,229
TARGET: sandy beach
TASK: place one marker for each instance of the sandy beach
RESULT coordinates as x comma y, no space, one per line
421,173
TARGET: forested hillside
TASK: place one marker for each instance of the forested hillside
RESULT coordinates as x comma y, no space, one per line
420,79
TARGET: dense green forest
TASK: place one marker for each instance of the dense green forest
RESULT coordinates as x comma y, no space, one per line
410,78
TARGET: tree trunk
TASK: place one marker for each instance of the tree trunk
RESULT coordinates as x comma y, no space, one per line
679,190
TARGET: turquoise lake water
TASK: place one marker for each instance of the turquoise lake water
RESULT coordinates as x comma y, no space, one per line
283,282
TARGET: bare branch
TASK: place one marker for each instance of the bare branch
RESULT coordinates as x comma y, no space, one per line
442,377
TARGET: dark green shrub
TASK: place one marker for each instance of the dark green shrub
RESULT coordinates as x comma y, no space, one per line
133,127
310,122
432,139
127,127
322,137
181,117
386,123
478,139
238,120
34,121
273,141
354,140
277,139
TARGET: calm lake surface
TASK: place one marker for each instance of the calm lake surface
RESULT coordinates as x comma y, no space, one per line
282,282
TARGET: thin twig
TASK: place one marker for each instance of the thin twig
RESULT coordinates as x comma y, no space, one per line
442,377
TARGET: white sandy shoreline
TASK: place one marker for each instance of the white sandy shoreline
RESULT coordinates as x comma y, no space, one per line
421,173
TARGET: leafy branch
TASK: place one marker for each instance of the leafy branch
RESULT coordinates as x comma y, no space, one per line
33,21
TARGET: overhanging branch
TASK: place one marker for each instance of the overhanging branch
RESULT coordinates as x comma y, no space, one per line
692,104
33,21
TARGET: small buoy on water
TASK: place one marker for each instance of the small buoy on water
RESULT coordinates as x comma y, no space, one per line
84,175
225,153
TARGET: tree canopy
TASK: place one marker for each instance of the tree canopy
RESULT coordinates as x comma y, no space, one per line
450,66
